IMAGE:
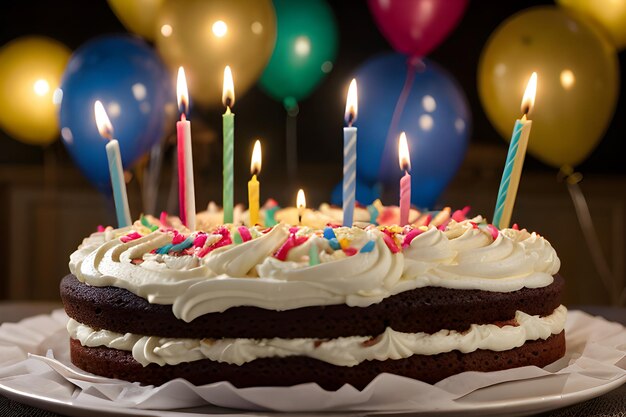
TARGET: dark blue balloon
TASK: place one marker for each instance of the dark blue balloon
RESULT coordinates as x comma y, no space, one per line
133,84
430,107
365,194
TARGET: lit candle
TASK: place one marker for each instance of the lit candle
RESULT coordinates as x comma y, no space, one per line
300,204
515,159
228,126
115,165
186,190
349,156
405,181
253,184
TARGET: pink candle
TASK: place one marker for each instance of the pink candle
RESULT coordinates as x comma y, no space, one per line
405,181
186,191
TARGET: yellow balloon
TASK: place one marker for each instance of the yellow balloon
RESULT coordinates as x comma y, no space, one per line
138,16
609,14
577,82
30,72
205,36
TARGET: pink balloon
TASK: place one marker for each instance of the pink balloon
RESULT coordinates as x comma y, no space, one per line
416,27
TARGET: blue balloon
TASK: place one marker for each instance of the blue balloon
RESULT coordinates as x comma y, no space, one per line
365,194
128,77
429,106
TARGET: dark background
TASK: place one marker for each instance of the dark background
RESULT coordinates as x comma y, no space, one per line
321,114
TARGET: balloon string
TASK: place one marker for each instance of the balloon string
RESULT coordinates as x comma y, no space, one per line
412,65
583,214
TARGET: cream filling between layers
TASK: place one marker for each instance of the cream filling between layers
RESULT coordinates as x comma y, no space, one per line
343,351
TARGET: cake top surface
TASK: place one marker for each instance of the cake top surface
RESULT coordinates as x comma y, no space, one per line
283,267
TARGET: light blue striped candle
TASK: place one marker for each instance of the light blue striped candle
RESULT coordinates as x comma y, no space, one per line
511,174
349,174
118,184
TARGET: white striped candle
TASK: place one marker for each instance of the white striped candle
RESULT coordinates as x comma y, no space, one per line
349,156
515,159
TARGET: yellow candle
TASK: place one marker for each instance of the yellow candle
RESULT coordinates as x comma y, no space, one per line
253,184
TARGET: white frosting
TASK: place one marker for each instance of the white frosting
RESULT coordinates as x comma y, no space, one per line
343,351
463,256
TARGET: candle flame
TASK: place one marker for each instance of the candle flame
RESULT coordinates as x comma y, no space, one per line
403,153
105,128
255,162
228,91
528,101
300,200
352,103
181,92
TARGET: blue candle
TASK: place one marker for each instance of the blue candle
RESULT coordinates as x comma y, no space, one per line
117,182
349,156
515,160
115,166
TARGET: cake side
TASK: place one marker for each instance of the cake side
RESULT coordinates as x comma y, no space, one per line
427,309
295,370
240,302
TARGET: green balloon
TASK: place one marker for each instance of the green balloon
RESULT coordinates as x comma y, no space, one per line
306,45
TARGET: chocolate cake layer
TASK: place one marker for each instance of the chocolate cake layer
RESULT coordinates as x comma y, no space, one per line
428,309
295,370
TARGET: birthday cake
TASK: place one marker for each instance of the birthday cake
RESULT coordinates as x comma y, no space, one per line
282,305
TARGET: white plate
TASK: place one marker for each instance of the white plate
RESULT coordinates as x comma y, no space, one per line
593,371
519,407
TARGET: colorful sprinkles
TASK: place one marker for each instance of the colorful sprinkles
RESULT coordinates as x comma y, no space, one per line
244,232
396,238
185,244
493,230
314,257
291,242
390,242
129,237
368,247
410,236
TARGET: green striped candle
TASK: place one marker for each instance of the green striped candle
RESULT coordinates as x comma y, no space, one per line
228,125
